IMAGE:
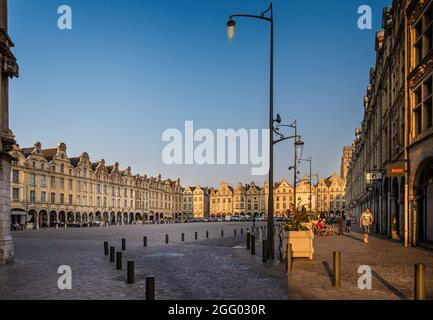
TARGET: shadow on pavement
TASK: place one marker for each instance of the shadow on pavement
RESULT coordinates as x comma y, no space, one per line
389,286
328,270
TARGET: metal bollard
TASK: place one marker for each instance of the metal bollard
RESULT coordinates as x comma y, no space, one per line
119,260
419,281
289,258
112,252
242,231
106,248
248,240
265,251
166,238
183,237
207,234
222,233
123,244
196,236
130,272
253,245
150,288
144,241
235,232
337,269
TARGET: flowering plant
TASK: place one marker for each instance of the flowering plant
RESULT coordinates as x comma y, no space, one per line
297,219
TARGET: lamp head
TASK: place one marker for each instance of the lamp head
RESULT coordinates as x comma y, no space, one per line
231,28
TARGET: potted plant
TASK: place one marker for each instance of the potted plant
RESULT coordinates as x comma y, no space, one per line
298,231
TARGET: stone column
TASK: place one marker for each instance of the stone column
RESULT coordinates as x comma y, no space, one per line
8,68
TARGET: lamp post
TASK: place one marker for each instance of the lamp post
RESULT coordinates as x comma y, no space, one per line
266,15
310,177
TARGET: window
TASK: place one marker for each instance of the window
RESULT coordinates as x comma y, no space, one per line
98,188
16,194
32,196
43,197
15,176
70,199
427,104
53,182
62,198
53,197
62,183
43,181
62,168
79,186
70,184
32,179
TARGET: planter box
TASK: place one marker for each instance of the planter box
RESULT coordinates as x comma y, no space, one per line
301,241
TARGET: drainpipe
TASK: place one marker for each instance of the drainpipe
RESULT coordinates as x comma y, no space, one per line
406,134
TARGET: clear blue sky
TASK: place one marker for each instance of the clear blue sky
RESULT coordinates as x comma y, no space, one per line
131,69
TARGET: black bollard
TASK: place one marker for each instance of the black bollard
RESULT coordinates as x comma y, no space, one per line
123,244
419,281
112,252
130,272
150,288
207,234
183,237
265,251
222,233
337,269
248,240
106,248
289,258
235,232
166,238
253,244
119,260
242,231
144,241
196,236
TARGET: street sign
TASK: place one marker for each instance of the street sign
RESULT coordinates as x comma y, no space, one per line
372,176
395,170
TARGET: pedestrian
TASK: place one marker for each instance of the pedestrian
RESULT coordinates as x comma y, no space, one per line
348,224
365,223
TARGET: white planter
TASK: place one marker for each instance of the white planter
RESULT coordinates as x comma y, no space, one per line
301,241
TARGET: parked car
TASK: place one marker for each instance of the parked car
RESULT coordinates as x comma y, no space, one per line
220,219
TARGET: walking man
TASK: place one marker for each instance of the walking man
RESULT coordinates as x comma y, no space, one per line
365,223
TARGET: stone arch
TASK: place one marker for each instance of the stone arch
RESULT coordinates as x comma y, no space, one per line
43,219
119,218
112,218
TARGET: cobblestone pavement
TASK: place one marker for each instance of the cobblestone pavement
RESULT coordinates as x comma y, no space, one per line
392,268
214,268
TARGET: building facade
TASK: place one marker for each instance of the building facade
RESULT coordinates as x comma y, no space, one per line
391,167
49,189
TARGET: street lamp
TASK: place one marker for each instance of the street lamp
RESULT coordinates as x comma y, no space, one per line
266,15
311,182
231,28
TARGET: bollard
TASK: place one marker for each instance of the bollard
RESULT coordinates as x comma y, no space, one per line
123,244
144,241
222,233
419,281
130,272
289,258
166,238
207,234
150,288
253,245
242,231
119,260
112,252
337,269
183,237
106,248
196,236
248,240
265,252
235,232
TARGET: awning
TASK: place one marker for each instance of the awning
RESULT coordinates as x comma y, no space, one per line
18,213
